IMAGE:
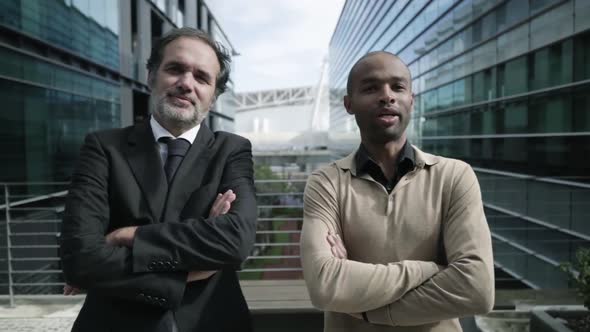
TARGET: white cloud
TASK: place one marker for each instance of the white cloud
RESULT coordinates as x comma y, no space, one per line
282,42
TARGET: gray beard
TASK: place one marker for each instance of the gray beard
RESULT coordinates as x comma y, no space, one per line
169,114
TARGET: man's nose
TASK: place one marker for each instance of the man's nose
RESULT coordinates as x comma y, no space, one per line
185,82
387,96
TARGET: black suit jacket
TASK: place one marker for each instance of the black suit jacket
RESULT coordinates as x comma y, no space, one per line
120,181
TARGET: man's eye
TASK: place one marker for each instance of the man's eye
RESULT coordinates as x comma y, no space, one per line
201,79
174,70
370,88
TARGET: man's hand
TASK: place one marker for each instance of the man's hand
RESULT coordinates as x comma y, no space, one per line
220,207
122,237
357,316
222,203
338,249
71,290
119,237
199,275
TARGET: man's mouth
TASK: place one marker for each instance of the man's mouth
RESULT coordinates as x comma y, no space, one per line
182,99
388,113
388,117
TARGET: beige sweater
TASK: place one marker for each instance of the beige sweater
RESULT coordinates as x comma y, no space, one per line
394,245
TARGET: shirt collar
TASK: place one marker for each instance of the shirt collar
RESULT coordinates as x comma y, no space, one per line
363,160
160,131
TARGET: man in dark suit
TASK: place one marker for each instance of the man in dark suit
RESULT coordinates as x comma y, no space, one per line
160,215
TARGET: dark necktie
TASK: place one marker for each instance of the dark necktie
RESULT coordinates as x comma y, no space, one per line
177,149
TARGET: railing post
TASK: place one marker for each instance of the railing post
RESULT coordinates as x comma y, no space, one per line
8,245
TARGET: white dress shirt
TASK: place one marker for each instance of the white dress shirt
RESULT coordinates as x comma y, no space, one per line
160,132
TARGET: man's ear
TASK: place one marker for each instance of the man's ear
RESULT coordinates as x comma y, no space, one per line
347,103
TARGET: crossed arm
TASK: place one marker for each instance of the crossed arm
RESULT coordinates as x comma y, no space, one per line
464,287
123,237
113,265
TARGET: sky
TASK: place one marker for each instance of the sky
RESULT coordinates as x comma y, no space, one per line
282,43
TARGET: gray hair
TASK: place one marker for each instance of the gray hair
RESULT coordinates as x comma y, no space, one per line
221,52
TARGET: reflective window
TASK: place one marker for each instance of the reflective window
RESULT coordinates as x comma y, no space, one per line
582,15
582,57
516,77
551,66
484,56
515,117
51,125
559,19
484,85
513,43
581,105
88,28
539,5
550,113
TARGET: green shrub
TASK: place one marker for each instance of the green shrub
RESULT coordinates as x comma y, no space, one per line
579,272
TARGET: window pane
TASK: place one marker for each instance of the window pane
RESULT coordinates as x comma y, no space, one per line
581,115
516,76
516,117
513,43
561,23
582,15
552,66
582,57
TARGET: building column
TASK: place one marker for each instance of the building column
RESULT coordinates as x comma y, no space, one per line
126,62
190,13
144,38
126,106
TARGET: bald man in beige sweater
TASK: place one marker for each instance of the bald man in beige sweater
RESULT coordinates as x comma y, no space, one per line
394,239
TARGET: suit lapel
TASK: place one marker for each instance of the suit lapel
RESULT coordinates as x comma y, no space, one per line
146,164
190,173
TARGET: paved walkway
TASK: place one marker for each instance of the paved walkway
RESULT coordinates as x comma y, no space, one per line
56,324
51,314
55,313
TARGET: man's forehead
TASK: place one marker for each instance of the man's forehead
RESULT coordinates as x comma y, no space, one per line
380,65
190,49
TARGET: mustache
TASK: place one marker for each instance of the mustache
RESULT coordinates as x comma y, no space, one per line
181,96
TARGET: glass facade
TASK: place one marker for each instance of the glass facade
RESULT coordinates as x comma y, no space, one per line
69,67
505,86
86,27
48,109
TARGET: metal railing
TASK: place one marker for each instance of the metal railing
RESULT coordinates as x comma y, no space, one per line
29,261
31,220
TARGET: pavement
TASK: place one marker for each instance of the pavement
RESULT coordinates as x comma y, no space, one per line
56,313
34,314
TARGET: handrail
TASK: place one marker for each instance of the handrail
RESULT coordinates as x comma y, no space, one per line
33,241
532,177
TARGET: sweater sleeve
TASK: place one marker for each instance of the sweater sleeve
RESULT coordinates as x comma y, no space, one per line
466,286
343,285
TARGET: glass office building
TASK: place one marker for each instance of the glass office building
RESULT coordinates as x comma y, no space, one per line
68,67
505,86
